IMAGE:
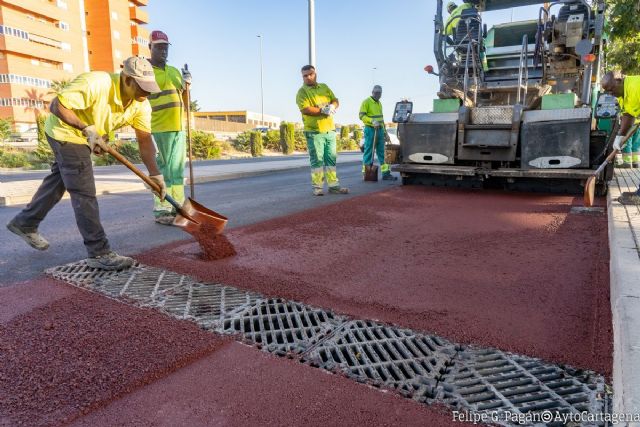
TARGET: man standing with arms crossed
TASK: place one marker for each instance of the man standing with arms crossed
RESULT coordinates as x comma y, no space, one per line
318,104
371,116
82,117
167,121
627,90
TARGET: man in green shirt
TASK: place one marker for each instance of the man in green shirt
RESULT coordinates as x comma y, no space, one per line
318,104
454,16
82,117
373,120
167,125
627,90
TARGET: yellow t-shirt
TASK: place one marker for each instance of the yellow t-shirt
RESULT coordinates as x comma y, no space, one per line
96,100
315,96
630,102
166,106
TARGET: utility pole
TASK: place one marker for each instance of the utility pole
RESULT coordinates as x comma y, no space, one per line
312,33
373,74
261,82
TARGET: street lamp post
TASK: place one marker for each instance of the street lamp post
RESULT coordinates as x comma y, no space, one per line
312,33
373,74
261,82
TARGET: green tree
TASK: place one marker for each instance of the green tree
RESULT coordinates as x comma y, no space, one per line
6,127
43,154
194,106
256,144
287,137
624,30
272,140
204,145
344,132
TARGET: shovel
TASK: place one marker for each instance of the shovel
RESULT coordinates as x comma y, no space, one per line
192,217
371,170
590,186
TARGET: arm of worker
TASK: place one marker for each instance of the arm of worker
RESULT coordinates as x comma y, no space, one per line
364,111
626,121
148,155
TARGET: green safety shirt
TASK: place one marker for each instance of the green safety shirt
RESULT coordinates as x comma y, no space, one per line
166,105
452,20
371,110
630,102
316,96
95,98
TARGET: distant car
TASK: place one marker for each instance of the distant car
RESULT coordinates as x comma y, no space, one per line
30,135
393,136
262,129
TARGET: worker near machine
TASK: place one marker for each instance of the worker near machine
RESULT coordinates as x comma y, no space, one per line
627,89
318,104
82,117
454,16
374,132
167,125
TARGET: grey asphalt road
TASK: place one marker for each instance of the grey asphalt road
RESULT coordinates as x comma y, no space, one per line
129,224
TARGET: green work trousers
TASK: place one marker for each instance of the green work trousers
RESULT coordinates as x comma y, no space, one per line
171,158
322,154
631,151
369,133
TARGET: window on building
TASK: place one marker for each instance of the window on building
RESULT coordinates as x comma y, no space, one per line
63,26
65,46
114,16
67,67
116,34
118,54
62,4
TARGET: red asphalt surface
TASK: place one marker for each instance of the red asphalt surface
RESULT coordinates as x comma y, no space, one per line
514,271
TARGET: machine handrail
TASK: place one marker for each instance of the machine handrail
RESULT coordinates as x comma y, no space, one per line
523,71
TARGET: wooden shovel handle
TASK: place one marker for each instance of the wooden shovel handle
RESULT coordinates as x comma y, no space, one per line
614,153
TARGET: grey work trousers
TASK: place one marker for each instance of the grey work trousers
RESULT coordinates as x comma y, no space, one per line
72,171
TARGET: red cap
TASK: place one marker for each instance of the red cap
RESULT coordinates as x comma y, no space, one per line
159,37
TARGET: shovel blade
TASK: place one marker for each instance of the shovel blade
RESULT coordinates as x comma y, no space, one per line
371,173
196,219
589,191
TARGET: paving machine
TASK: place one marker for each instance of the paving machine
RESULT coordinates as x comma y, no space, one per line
518,105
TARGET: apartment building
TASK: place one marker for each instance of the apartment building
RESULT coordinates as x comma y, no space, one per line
43,41
247,117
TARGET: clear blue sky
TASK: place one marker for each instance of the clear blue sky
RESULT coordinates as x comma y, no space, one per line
217,38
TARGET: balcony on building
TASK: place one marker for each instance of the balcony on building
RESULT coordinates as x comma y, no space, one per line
48,9
140,2
138,15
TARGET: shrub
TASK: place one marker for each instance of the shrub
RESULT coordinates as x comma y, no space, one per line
272,140
345,131
300,142
346,144
243,142
256,144
5,128
128,149
357,134
287,137
13,158
204,146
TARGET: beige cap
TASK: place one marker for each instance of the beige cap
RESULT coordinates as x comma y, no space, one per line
142,71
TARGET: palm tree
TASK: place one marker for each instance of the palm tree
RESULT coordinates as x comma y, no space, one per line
57,86
194,105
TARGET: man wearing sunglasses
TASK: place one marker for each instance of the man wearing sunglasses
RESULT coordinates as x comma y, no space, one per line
83,117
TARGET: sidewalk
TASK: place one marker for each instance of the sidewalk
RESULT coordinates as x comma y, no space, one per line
624,244
116,179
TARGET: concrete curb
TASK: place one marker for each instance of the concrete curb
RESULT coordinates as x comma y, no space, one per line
625,307
6,201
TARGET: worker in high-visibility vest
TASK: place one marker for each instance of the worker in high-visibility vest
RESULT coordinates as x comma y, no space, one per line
454,16
167,125
373,120
627,90
317,104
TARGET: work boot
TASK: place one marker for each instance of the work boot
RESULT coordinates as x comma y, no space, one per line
389,177
166,219
33,239
110,261
629,198
338,190
318,192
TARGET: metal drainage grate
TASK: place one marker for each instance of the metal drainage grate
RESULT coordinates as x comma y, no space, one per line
142,284
382,355
283,326
80,274
206,304
491,381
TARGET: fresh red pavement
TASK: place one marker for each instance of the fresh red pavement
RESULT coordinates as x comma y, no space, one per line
519,272
65,351
241,386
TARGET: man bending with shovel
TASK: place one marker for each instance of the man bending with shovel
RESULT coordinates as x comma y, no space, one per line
627,90
82,117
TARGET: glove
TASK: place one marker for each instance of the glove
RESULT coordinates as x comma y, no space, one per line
617,143
326,110
96,143
332,109
376,123
186,76
159,179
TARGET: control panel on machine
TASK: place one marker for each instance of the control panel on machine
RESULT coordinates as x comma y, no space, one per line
607,106
402,112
